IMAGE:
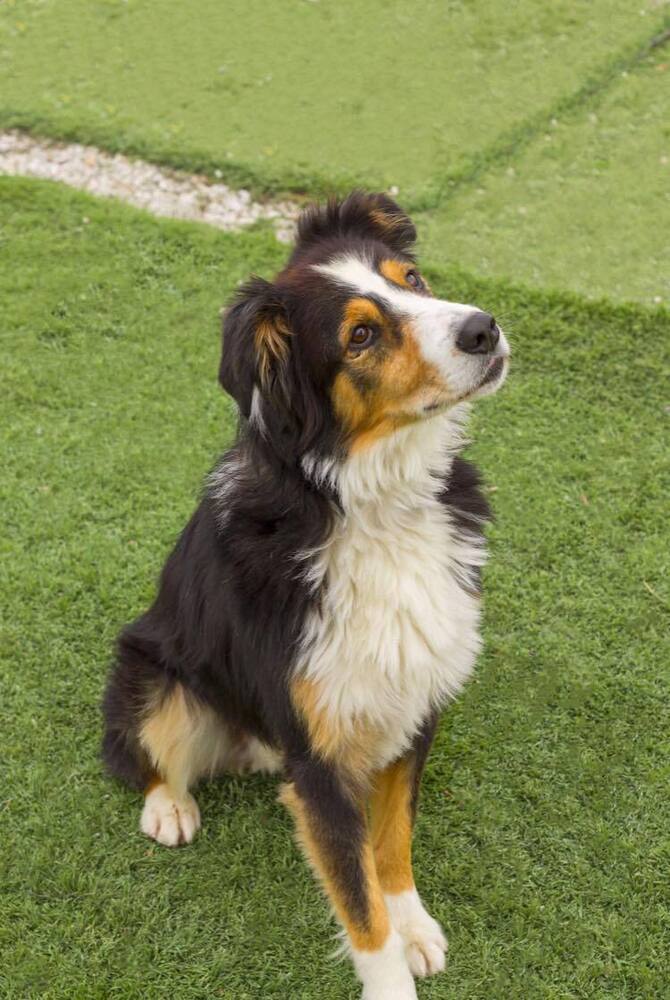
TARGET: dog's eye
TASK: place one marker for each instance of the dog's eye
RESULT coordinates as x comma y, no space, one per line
361,337
414,279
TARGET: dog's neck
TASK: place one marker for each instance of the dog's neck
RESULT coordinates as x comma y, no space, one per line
398,469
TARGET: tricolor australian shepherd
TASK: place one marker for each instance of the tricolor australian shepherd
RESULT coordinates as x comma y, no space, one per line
322,605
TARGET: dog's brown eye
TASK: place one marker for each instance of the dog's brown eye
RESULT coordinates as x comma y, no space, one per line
361,336
412,278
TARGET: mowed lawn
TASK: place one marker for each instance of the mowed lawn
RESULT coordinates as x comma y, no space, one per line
586,205
542,843
299,93
534,137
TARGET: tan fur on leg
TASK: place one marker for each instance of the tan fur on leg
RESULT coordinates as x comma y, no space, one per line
391,823
391,826
368,936
185,741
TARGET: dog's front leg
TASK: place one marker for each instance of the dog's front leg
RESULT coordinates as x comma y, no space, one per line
332,830
392,810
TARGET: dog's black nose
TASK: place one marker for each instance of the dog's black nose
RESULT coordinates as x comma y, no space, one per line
479,334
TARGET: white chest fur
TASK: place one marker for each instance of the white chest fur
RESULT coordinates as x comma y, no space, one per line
397,632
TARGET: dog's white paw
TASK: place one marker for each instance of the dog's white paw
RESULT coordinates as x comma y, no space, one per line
425,949
385,973
168,820
425,943
391,992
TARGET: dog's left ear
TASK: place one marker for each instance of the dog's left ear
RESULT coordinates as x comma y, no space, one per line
256,344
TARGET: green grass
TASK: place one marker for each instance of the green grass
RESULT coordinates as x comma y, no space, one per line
533,137
585,206
542,842
301,94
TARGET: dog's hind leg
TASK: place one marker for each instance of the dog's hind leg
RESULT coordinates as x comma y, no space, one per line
184,740
248,755
161,739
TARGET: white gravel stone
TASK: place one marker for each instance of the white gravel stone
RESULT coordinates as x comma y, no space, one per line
157,190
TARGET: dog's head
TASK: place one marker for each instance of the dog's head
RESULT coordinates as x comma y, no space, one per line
348,344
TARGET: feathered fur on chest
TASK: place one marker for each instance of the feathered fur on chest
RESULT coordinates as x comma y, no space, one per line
396,631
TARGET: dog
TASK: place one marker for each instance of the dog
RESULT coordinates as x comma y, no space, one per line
321,607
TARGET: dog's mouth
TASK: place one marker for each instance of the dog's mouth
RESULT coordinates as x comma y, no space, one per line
493,371
492,376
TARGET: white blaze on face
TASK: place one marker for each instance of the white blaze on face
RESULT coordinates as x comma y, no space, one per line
435,323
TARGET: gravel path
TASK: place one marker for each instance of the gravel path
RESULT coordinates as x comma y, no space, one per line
157,190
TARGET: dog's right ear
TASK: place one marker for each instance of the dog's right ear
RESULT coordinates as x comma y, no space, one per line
255,343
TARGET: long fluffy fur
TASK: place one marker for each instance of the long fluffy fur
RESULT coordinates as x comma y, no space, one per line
323,600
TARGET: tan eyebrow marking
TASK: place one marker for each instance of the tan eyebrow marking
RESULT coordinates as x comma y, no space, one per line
359,312
395,271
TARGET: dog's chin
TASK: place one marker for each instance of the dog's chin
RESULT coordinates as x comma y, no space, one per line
495,373
490,379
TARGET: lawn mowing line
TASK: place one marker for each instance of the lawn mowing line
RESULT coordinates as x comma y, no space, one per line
508,146
161,192
660,39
